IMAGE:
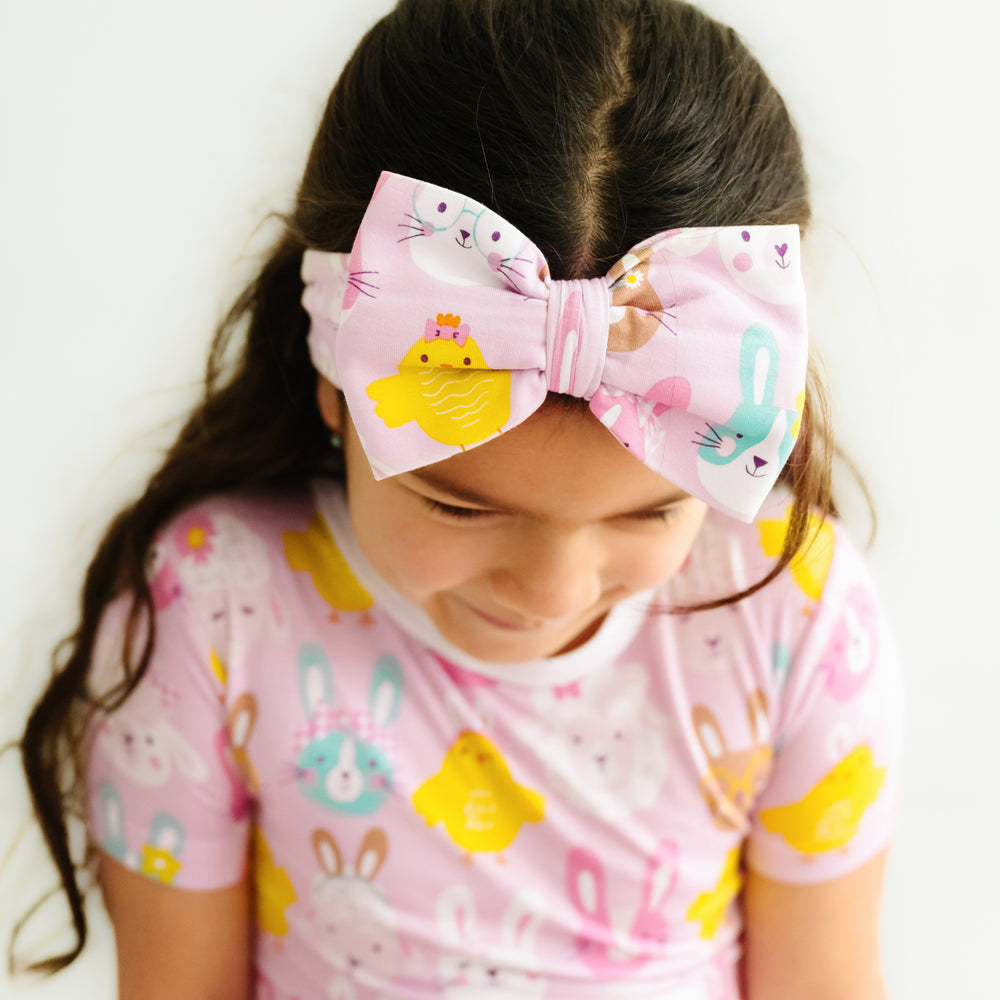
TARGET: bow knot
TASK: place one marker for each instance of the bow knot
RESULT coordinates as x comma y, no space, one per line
576,336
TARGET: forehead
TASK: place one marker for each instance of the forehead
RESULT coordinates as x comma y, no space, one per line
560,464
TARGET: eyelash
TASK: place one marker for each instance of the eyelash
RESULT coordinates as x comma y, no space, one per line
471,513
666,514
459,513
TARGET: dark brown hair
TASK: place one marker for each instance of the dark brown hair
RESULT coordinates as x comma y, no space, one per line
588,124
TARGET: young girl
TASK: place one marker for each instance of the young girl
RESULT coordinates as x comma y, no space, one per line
486,632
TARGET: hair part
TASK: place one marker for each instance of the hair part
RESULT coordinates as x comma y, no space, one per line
588,124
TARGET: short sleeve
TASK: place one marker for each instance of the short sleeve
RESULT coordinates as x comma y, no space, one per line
164,797
829,802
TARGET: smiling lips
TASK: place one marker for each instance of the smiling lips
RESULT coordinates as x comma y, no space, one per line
500,623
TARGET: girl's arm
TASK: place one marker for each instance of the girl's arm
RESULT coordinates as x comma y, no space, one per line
177,943
818,941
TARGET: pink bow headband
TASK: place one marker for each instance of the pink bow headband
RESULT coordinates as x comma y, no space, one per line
443,328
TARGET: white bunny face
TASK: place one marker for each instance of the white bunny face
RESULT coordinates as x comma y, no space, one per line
357,927
758,265
600,749
142,752
474,969
144,745
460,243
464,978
603,743
228,579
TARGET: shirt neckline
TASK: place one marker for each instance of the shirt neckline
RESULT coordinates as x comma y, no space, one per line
621,625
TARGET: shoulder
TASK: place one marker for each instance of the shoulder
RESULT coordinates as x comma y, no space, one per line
224,540
195,561
820,621
198,528
730,556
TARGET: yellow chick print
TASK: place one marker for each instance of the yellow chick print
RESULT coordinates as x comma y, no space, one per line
827,817
709,908
445,385
811,564
273,888
474,794
315,552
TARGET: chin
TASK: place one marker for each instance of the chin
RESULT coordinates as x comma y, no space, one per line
494,645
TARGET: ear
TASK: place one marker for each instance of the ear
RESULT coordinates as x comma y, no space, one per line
585,884
331,861
331,404
456,915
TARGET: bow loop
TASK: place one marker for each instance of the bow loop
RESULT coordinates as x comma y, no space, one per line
576,336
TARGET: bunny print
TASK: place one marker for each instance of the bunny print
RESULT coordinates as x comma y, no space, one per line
159,856
734,777
224,570
144,744
748,450
617,944
601,740
357,927
231,744
472,968
629,417
343,756
760,266
853,649
460,242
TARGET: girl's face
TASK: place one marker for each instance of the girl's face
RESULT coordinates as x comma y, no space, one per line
517,548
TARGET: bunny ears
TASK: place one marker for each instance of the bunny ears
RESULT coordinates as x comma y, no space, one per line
443,329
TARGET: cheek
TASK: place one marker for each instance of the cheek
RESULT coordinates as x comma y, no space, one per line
649,566
648,562
414,555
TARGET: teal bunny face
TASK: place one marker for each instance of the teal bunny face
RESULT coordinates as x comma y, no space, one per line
757,438
343,761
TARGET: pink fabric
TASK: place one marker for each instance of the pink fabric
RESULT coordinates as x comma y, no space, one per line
598,857
443,328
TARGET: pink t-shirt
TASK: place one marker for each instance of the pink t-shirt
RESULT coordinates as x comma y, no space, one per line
424,825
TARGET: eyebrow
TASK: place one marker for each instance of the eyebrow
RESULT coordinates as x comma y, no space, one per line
441,485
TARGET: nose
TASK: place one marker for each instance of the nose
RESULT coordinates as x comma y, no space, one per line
551,574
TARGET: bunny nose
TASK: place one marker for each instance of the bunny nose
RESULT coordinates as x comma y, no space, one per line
758,461
465,233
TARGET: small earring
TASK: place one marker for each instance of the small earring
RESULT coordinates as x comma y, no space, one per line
336,441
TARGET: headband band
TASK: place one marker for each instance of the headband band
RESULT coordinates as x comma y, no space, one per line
443,329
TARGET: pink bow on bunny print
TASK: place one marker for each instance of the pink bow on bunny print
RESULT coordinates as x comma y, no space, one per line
443,328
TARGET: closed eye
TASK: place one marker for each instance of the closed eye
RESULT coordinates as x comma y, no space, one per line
664,514
459,513
657,515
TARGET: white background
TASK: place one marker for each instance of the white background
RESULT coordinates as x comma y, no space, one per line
143,144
